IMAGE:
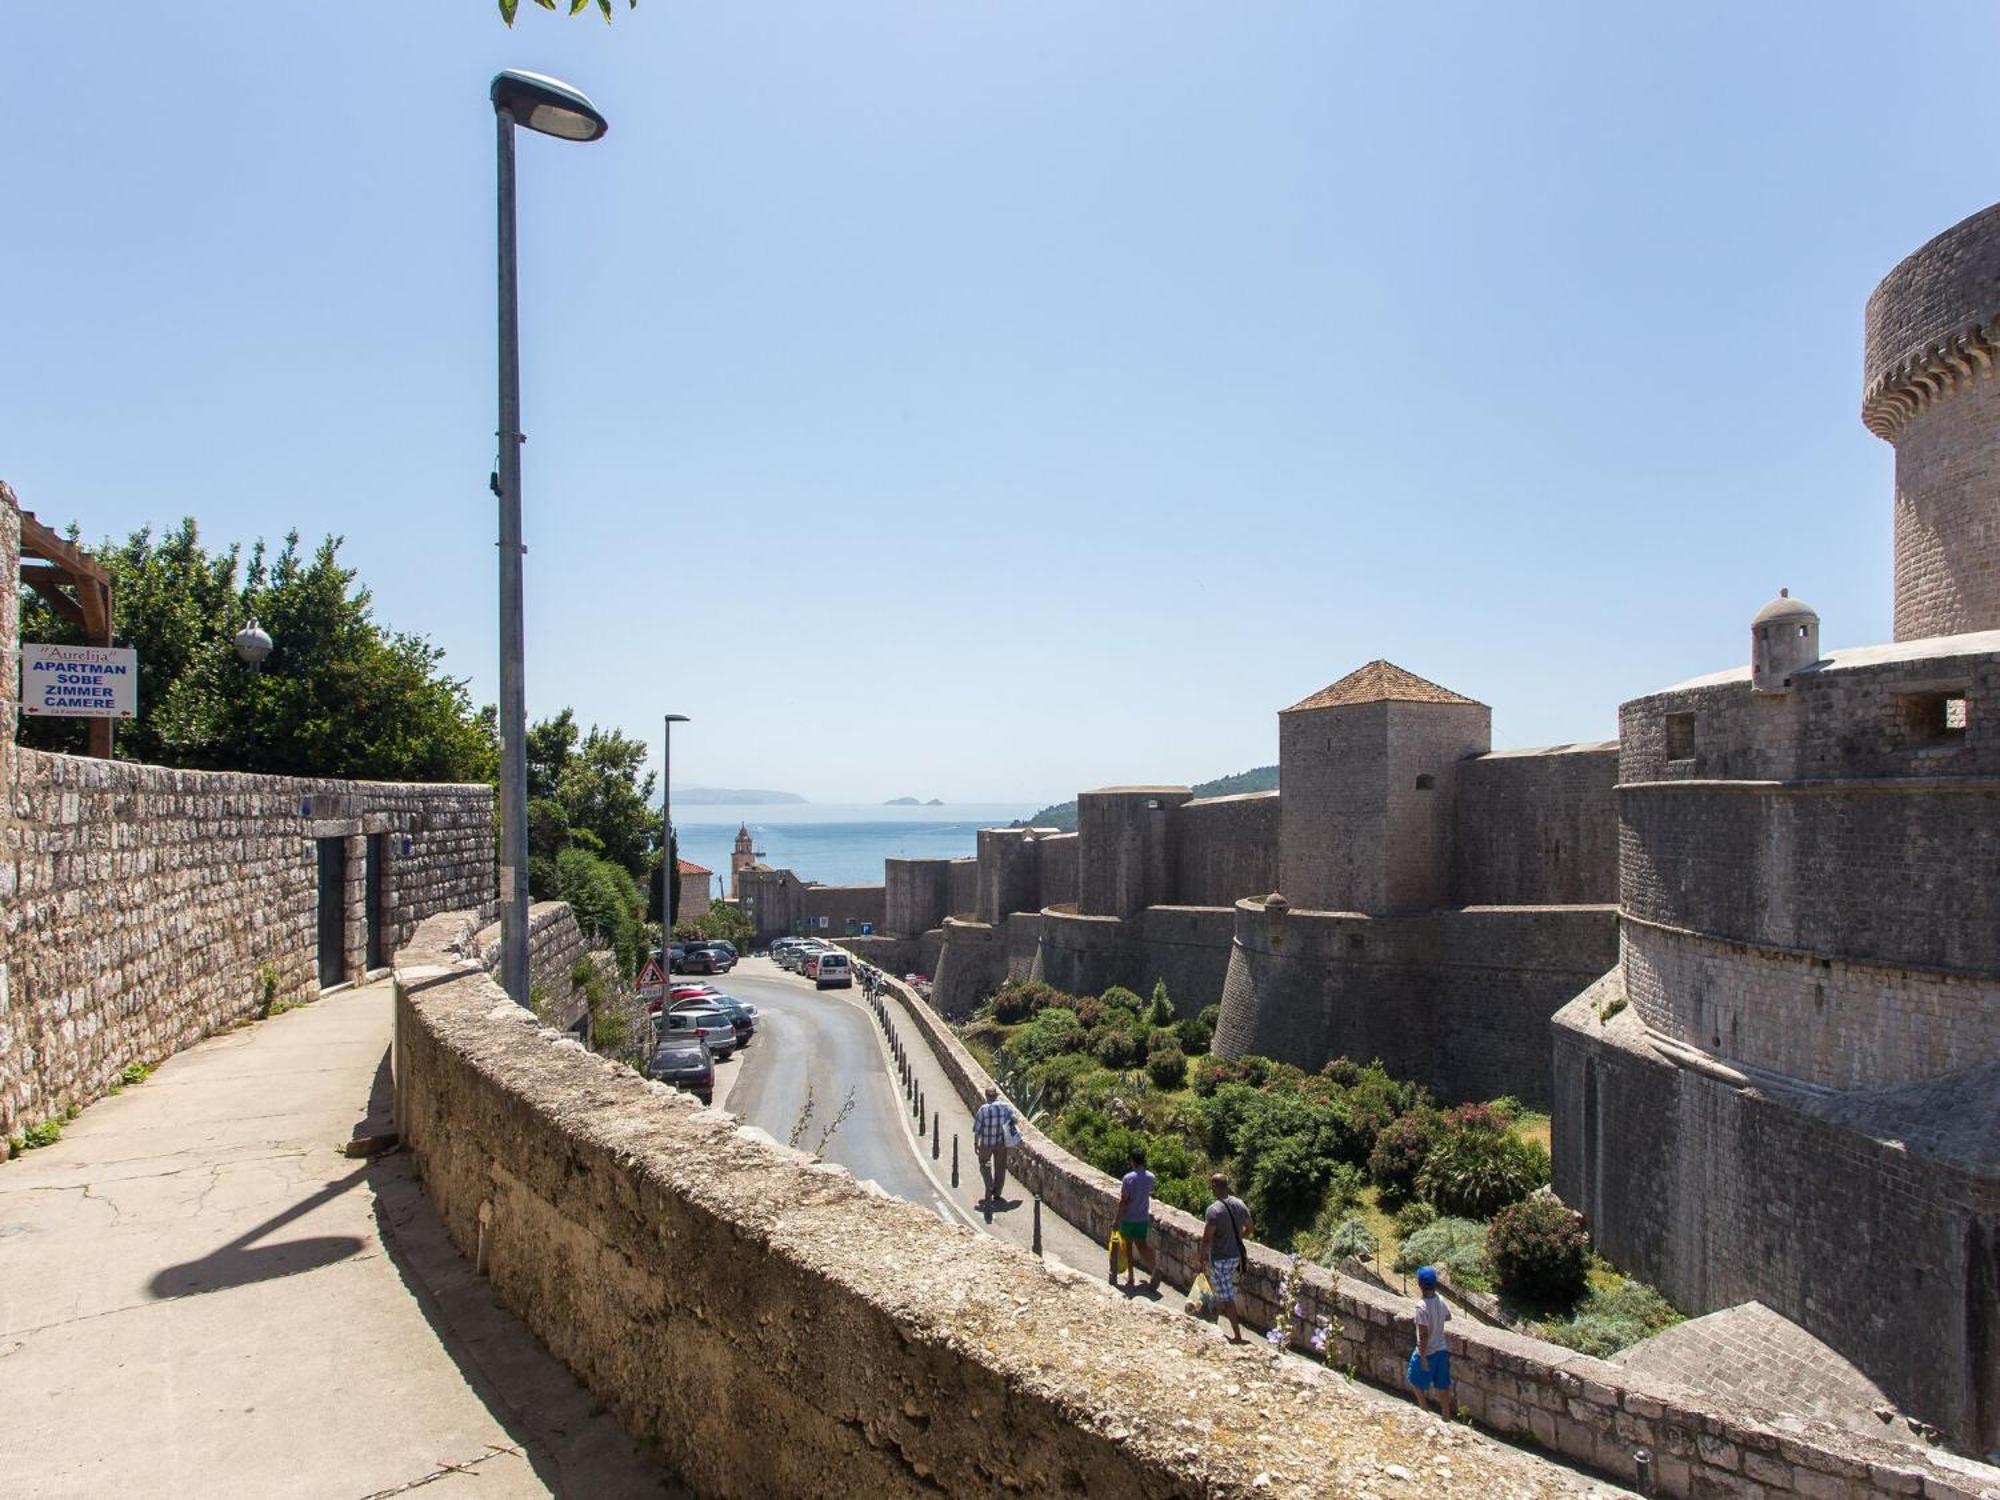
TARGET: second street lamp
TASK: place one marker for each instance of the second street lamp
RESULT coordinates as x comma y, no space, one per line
667,851
552,108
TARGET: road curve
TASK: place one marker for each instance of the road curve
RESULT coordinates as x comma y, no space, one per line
824,1039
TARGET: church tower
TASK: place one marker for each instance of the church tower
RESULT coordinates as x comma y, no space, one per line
741,857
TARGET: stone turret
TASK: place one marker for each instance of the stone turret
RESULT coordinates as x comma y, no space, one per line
1933,339
1368,766
1783,638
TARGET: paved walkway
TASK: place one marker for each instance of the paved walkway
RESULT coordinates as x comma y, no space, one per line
201,1295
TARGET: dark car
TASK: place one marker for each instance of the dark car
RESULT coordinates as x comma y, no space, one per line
685,1063
677,957
741,1016
708,958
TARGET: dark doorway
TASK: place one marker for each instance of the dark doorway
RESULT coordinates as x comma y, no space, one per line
332,912
378,851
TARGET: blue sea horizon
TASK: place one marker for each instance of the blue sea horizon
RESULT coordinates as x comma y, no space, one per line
839,844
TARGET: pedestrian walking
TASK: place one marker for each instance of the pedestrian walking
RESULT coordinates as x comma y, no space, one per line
1135,1218
1225,1230
993,1128
1430,1365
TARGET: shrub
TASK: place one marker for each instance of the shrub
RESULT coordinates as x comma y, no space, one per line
1475,1174
1211,1073
1167,1067
1052,1031
1349,1236
1120,998
1062,1078
1020,999
1456,1246
1161,1039
1194,1036
1161,1011
1090,1010
1413,1216
1607,1321
1290,1182
1539,1250
606,901
1400,1150
1476,1119
1113,1047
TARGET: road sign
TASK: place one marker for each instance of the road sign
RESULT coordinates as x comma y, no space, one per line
79,682
652,982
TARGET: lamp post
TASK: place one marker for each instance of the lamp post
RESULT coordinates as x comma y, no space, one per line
253,644
667,851
552,108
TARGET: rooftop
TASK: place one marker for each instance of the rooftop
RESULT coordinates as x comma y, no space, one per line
689,867
1381,682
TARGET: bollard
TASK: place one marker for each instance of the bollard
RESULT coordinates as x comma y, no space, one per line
954,1158
1642,1466
1038,1223
937,1140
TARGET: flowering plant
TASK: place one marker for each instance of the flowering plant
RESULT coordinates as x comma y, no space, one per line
1319,1332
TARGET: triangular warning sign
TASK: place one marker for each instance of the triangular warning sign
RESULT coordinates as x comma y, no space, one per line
652,976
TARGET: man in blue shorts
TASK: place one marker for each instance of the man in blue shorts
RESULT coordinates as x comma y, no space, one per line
1430,1365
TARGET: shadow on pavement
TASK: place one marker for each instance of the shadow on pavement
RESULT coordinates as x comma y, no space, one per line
236,1264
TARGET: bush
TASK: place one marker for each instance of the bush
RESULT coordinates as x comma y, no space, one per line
1539,1251
1162,1039
1120,998
1211,1073
1455,1246
1477,1119
1400,1150
1052,1031
1474,1174
1194,1036
1063,1078
1413,1216
1020,999
1113,1047
1349,1236
606,901
1292,1178
1167,1067
1161,1011
1607,1321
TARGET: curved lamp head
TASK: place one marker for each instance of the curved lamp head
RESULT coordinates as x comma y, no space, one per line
548,105
679,719
252,643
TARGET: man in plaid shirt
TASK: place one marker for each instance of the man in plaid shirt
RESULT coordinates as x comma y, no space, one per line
992,1125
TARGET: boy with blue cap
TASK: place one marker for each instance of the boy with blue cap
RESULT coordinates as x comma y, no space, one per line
1430,1365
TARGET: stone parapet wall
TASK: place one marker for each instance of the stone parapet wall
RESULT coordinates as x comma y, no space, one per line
10,624
555,943
1879,1234
1824,1021
140,905
667,1254
1536,827
1589,1411
1459,1001
1057,852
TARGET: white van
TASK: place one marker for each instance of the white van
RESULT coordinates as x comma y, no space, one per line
833,972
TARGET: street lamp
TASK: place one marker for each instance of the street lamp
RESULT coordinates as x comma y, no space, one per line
253,644
552,108
667,851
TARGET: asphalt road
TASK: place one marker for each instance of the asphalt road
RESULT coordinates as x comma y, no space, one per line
825,1041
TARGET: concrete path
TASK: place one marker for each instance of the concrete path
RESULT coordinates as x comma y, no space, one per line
201,1295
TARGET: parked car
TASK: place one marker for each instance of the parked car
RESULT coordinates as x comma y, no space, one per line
711,1026
834,971
740,1015
684,1061
794,954
677,955
708,958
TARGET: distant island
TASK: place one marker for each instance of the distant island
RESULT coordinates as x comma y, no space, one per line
1262,779
718,796
913,802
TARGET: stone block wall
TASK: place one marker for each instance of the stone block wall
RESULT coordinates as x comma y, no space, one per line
1589,1411
963,889
874,1351
555,943
779,903
1184,947
1225,849
138,905
1719,1190
1057,852
1536,827
1125,859
916,895
1460,1001
10,624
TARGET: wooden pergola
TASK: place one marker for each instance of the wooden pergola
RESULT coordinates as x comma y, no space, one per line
75,587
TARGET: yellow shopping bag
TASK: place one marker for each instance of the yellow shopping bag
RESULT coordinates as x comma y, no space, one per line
1201,1298
1121,1254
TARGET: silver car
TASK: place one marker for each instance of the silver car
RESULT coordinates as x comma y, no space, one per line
713,1027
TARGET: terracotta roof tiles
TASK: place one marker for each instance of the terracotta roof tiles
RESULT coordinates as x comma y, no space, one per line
1380,682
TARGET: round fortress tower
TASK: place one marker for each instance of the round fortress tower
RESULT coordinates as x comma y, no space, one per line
1929,388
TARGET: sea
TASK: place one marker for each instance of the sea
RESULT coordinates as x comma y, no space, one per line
835,844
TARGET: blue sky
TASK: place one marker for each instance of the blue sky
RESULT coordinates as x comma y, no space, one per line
1075,386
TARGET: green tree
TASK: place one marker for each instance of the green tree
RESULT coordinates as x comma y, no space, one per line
339,695
586,791
509,8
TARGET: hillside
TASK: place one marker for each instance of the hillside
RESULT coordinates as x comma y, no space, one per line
1261,779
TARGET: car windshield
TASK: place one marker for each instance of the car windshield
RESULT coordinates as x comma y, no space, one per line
678,1057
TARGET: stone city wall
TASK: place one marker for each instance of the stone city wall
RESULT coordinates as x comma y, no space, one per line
10,624
1587,1410
1225,848
779,903
1058,856
1184,947
916,895
667,1254
1460,1001
1536,827
1717,1190
964,888
140,905
555,943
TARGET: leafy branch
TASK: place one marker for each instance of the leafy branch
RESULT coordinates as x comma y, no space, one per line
509,7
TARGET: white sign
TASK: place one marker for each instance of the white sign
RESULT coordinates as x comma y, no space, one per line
79,682
652,982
